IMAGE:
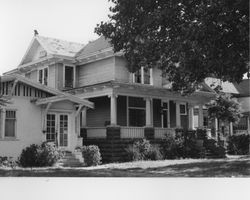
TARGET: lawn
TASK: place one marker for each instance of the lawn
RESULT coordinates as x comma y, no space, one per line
233,166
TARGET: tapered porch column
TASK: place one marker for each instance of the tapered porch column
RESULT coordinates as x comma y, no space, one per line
191,117
113,109
2,122
200,119
84,117
231,131
216,127
178,115
148,112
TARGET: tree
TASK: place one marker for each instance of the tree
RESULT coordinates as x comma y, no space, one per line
224,108
189,39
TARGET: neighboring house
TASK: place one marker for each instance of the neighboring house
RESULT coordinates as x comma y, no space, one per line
241,92
76,77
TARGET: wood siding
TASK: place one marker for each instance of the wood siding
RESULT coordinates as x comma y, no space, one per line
96,72
60,77
121,71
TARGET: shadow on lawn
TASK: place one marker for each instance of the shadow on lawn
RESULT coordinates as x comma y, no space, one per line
209,168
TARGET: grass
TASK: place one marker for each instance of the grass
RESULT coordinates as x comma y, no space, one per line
234,166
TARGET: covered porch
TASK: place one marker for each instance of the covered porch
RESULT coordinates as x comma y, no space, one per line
139,111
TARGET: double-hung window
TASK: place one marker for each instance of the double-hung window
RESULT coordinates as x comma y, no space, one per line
10,124
143,76
183,109
69,76
137,111
43,76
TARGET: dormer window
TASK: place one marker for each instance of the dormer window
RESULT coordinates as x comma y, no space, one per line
143,76
43,76
69,76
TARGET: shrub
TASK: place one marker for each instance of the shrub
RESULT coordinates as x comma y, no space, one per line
7,162
154,153
143,150
238,144
42,155
172,147
91,155
29,155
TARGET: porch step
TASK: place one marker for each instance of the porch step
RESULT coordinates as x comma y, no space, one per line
70,160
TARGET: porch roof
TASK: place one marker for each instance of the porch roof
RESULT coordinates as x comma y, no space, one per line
63,98
138,90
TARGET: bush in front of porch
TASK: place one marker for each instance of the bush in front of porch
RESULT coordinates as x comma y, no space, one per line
142,150
46,154
239,144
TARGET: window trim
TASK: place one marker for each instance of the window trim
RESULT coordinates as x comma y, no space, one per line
43,69
143,78
15,128
183,104
135,108
168,114
74,74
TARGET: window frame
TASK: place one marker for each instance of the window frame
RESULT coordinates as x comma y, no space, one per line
142,78
183,104
167,110
15,128
134,108
43,73
74,74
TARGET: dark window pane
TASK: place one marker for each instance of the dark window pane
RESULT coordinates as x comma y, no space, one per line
69,76
137,117
182,109
10,128
137,102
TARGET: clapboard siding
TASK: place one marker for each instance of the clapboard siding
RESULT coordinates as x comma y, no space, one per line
59,72
96,72
121,71
101,114
52,76
157,77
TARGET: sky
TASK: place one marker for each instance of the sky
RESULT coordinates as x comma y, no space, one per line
72,20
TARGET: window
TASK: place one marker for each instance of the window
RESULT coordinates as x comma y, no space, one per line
164,115
43,76
69,76
137,111
10,123
183,109
143,76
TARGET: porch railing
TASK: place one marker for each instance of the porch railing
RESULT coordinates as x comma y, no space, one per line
132,132
161,132
96,132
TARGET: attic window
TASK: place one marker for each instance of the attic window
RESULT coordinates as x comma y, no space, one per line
43,76
143,76
42,54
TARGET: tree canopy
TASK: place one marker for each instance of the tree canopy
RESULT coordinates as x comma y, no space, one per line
189,39
225,108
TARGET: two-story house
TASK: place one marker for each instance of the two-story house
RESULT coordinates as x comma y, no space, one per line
111,97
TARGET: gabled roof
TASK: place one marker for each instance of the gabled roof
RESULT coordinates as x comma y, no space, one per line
244,87
53,46
94,47
227,87
59,47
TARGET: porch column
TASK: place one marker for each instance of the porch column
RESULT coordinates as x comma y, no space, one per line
148,112
200,119
248,126
2,122
191,117
216,128
231,131
113,109
84,116
178,115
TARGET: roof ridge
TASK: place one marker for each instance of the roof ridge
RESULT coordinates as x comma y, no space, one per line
46,37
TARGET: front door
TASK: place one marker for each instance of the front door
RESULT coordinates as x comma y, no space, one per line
57,129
